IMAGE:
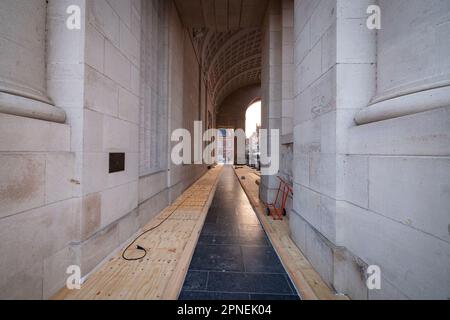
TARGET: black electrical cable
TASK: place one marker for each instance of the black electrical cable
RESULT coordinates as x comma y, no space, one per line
138,247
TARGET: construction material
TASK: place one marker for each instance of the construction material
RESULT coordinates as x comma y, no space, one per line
170,246
272,209
307,281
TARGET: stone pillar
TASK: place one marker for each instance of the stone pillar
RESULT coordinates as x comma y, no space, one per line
287,69
23,61
287,56
271,87
362,191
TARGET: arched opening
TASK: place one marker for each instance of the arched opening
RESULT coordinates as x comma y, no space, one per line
253,118
252,126
225,146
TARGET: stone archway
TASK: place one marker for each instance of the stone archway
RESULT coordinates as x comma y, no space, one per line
231,112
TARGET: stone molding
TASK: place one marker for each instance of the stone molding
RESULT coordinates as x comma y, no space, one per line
405,104
30,108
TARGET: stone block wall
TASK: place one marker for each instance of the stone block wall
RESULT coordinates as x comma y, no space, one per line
374,193
38,217
186,89
39,173
271,86
59,205
110,117
395,176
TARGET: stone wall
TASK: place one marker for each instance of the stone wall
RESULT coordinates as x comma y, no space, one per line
278,91
287,92
396,170
128,200
184,106
186,89
373,194
39,180
271,86
312,220
59,205
38,218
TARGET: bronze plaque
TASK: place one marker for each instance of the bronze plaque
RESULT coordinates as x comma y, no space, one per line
116,162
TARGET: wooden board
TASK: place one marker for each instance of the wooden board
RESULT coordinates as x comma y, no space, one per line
308,282
160,275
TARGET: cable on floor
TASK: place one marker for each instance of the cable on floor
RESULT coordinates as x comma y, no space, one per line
138,247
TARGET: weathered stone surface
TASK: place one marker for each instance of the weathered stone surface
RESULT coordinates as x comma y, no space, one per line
370,188
30,237
32,135
22,179
94,250
418,263
91,215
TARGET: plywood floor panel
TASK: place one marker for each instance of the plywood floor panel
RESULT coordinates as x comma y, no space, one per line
306,279
170,246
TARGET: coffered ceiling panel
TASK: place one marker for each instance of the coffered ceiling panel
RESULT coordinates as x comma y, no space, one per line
227,35
230,60
222,15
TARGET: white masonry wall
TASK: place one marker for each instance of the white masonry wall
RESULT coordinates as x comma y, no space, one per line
117,205
185,100
271,87
313,218
158,189
111,118
397,171
59,206
38,180
287,92
377,193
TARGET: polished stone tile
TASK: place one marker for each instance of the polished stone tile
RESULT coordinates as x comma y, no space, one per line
238,219
205,239
250,229
211,217
261,259
272,297
215,229
195,280
234,259
234,240
222,212
248,282
259,239
222,207
225,240
217,258
198,295
251,232
291,284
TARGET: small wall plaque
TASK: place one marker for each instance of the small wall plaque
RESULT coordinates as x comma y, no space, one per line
116,162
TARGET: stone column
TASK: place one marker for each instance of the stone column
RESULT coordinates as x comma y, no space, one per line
23,61
271,87
287,70
413,65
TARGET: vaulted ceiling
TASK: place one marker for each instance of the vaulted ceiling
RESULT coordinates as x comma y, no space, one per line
231,60
222,15
228,38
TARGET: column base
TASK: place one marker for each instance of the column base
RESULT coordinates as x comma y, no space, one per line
26,107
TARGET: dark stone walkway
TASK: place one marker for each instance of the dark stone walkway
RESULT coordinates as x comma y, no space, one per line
234,259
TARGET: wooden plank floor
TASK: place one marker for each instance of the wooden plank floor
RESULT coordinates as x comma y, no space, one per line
305,278
170,247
